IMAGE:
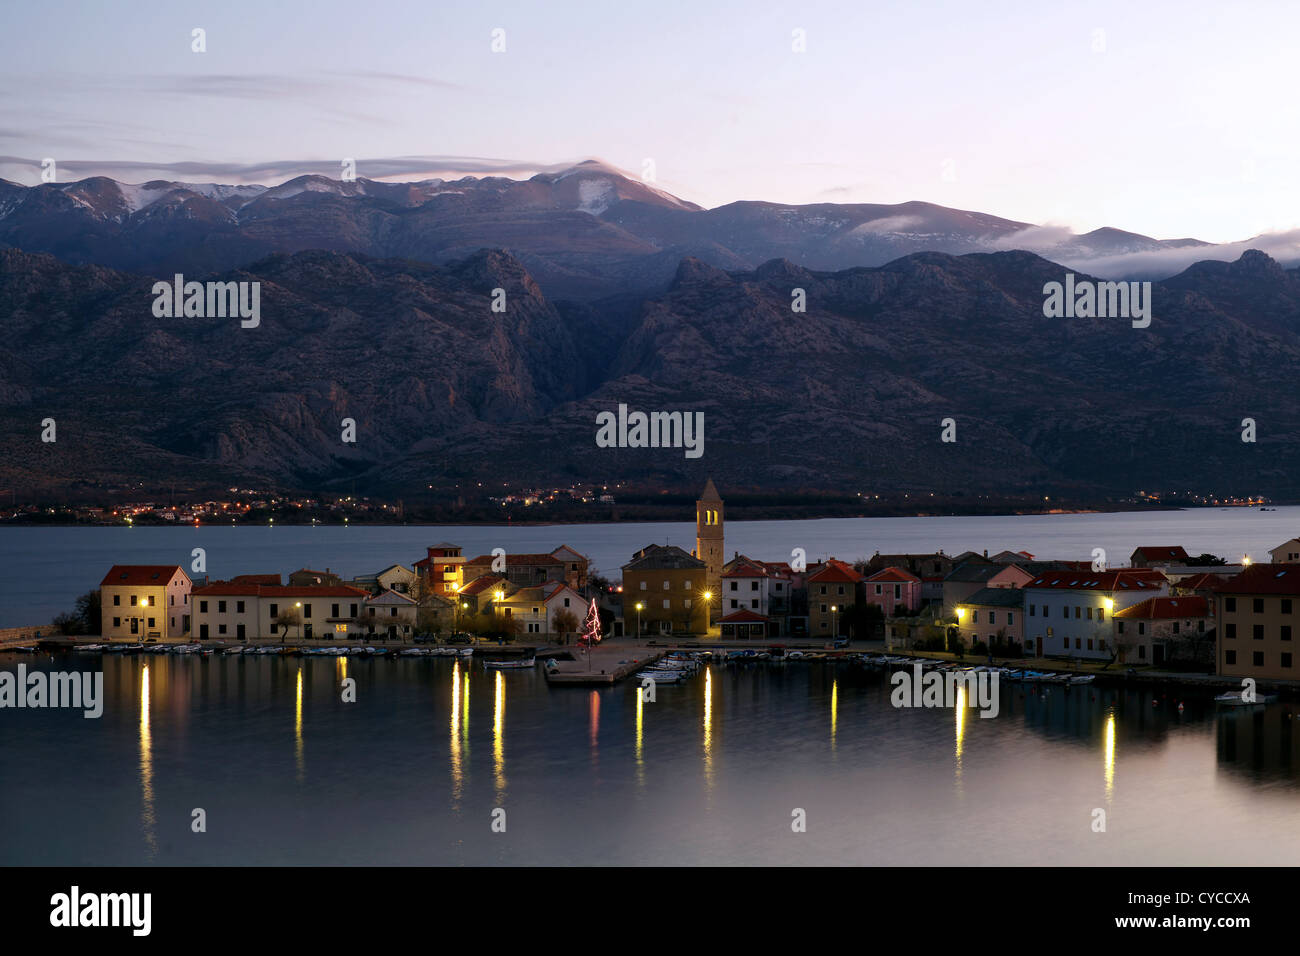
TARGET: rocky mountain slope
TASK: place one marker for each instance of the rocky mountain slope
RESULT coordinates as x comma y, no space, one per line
848,395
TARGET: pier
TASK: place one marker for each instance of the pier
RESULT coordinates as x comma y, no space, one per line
607,664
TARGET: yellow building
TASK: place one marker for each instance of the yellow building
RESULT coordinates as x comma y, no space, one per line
1257,615
665,591
140,601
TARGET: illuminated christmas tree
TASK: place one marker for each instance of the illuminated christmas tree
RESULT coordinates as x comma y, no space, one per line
591,627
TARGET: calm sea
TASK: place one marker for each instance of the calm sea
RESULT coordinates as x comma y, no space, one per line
42,570
714,771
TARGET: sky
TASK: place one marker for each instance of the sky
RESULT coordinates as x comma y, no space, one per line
1172,119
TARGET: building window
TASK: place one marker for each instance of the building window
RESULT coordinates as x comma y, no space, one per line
306,610
643,585
667,604
221,607
1257,632
1286,632
1257,605
1090,614
1230,605
666,585
275,611
1286,605
1032,609
1257,658
1229,657
239,607
1120,627
203,607
734,585
1286,660
1230,631
117,622
1142,628
133,600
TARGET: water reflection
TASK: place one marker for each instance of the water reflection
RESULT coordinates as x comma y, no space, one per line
835,709
1260,742
148,819
708,728
297,730
1109,750
961,729
457,773
593,720
640,730
498,734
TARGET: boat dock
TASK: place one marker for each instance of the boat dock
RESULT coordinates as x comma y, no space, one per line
606,665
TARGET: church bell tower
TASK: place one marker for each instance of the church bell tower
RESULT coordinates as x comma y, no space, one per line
708,539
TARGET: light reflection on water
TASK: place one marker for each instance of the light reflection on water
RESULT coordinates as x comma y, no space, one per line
601,776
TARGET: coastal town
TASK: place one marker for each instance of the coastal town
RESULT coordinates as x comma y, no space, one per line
1164,609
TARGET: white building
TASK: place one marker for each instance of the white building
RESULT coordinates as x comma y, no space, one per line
390,615
1288,552
1068,613
140,601
535,608
239,610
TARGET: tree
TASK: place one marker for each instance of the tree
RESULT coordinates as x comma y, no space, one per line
1206,560
89,611
565,622
286,619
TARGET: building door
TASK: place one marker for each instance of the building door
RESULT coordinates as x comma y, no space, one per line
1158,654
135,625
240,631
1039,652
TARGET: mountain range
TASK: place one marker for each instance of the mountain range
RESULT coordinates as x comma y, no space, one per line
584,233
847,395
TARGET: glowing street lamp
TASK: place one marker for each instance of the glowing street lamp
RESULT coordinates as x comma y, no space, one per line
639,606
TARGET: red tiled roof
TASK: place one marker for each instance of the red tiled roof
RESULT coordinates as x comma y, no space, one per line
746,569
835,572
1166,608
894,574
140,575
544,559
481,584
236,589
1202,582
1264,579
744,616
1122,579
255,579
1165,552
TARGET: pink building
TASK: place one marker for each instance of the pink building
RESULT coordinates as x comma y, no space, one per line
894,591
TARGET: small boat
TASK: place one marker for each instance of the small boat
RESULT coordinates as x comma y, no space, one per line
466,652
1235,698
510,665
89,648
1082,678
659,677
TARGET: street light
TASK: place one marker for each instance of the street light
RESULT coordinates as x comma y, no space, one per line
298,605
834,621
639,605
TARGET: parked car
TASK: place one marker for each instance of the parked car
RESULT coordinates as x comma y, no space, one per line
425,638
460,639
